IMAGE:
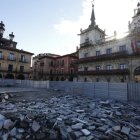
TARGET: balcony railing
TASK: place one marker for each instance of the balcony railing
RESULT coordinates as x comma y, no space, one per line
86,44
23,60
11,58
58,74
15,71
111,56
105,72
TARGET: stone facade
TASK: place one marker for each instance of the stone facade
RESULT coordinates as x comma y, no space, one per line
14,63
110,59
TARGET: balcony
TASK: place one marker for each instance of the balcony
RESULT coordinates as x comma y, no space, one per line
23,60
58,74
86,44
103,57
105,72
11,58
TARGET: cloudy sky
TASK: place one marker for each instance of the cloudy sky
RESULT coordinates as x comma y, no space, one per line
51,26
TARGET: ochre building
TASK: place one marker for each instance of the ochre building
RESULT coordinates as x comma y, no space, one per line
14,63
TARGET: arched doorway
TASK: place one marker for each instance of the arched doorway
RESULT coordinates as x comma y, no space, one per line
0,75
51,78
21,77
62,78
57,79
71,78
9,76
137,74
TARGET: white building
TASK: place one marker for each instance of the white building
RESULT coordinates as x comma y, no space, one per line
109,59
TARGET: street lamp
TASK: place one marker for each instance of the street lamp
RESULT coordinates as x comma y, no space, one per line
11,36
2,29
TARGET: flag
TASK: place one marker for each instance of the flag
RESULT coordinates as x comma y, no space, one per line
133,46
138,46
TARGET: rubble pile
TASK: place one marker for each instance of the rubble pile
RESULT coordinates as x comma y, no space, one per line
5,96
69,117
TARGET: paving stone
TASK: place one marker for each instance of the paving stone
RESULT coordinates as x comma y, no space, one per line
102,128
117,128
85,132
91,128
13,132
77,126
78,134
125,130
35,126
8,123
57,118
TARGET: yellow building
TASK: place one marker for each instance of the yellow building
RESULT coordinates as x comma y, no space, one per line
14,63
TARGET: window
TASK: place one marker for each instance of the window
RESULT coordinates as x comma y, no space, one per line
10,67
122,48
109,51
109,67
62,70
57,63
62,63
51,64
22,58
97,53
1,55
51,71
98,67
87,40
85,55
57,71
85,68
71,71
122,66
21,68
11,56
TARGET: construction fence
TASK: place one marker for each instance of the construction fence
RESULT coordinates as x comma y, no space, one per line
107,90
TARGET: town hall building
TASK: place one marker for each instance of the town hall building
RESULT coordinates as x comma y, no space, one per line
104,59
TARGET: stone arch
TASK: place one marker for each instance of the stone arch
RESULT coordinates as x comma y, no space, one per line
57,78
9,76
62,79
21,77
0,75
51,78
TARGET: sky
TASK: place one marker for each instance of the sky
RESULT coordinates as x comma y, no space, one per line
52,26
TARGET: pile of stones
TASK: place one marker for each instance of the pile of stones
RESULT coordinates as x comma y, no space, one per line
5,96
69,117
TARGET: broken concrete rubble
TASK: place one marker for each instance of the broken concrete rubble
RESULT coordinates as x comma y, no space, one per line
69,117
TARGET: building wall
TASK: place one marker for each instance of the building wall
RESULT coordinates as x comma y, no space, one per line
123,57
16,63
55,68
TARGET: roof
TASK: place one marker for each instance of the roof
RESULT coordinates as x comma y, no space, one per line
54,56
15,49
90,28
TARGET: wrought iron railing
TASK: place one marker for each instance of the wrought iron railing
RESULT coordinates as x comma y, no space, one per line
105,72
